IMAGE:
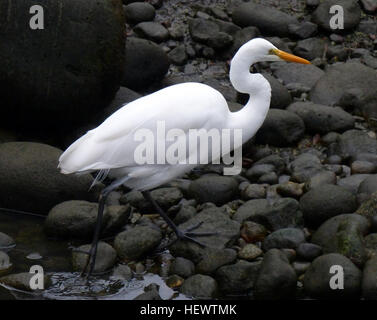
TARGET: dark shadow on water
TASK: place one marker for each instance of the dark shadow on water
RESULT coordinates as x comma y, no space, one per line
33,247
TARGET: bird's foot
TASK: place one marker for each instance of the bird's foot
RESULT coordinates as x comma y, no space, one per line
188,235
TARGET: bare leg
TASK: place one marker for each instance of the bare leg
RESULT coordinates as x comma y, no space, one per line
183,235
92,254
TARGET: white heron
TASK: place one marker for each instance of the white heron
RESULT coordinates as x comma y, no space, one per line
110,147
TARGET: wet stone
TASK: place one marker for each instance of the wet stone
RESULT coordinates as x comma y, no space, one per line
308,251
212,188
273,214
253,191
277,279
106,256
369,281
363,167
344,234
212,219
321,178
122,272
139,12
253,232
184,214
136,242
300,267
178,55
200,286
258,170
289,238
182,267
6,241
249,252
326,201
21,281
214,259
239,277
152,31
174,281
5,263
151,292
290,189
317,278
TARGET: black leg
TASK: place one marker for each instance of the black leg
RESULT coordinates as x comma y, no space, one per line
183,235
91,260
92,254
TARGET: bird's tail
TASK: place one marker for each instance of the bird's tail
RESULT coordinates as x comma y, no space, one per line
79,155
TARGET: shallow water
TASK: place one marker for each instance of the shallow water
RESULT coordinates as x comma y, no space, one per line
34,248
32,245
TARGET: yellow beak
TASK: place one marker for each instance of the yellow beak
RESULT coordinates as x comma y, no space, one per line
289,57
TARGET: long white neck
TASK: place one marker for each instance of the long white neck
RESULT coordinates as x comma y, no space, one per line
251,116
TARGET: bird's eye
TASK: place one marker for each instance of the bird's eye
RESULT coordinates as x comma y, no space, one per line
271,51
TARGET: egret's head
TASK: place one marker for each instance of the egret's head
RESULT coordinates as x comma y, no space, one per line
263,50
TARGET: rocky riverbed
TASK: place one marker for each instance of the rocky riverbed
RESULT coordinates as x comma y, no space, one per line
305,201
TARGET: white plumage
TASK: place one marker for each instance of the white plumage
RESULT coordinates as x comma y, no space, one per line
110,147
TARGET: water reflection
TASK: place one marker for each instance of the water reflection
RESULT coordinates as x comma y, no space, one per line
34,247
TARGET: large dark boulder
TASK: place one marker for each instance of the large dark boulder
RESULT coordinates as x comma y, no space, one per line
67,70
351,9
31,181
322,119
268,20
349,85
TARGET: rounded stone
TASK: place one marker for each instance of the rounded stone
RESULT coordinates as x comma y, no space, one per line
200,286
139,12
349,85
253,232
182,267
308,251
73,219
281,128
6,242
21,281
288,238
318,277
152,30
249,252
238,277
326,201
268,19
122,272
369,282
106,257
352,13
136,242
146,63
212,188
322,119
276,279
28,171
5,263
